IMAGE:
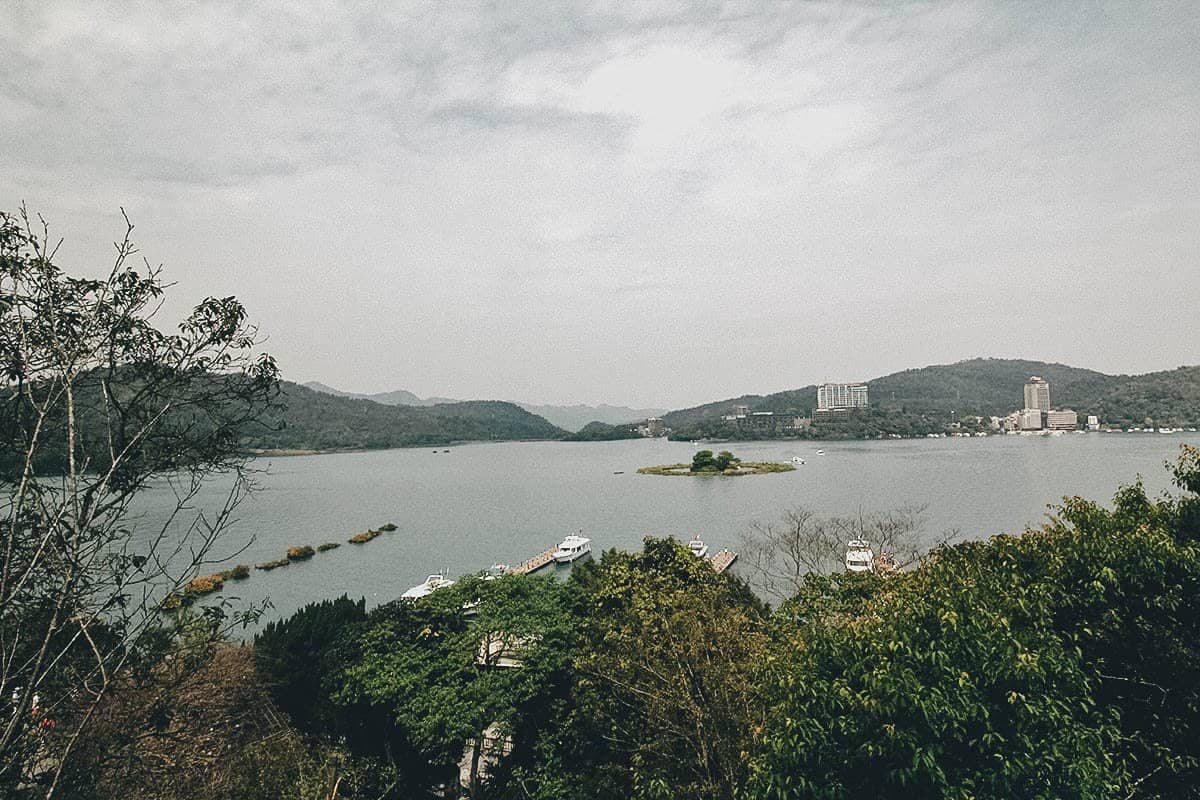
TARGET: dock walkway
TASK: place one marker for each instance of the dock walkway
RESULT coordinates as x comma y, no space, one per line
723,560
535,563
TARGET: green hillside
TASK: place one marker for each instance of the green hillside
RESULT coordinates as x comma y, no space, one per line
311,420
991,386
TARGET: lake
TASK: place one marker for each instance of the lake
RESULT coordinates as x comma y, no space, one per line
481,504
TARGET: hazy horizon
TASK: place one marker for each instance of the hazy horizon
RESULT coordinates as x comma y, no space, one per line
646,206
705,401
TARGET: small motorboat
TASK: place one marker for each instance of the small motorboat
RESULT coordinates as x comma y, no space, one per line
820,452
698,548
859,556
797,460
431,584
571,548
495,571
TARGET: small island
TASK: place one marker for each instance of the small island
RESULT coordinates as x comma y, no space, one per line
723,463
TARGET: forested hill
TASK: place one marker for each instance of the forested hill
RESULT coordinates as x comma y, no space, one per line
313,420
992,386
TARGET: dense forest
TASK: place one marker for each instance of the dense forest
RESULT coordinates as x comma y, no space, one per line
308,420
924,400
1057,663
603,432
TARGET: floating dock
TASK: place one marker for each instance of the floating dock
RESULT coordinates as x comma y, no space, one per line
723,560
535,563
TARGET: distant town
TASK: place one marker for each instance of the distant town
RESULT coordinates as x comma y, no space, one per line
840,402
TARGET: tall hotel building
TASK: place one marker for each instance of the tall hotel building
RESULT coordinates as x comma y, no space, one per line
841,395
1037,394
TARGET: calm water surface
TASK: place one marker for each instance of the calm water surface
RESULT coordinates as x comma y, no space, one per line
501,503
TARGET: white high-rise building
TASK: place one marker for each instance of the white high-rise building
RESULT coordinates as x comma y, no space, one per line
841,395
1037,394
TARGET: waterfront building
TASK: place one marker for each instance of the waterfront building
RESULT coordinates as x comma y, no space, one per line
654,427
841,395
1037,394
1066,420
760,421
1030,419
1093,422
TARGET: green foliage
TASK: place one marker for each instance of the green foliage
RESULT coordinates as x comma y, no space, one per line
1060,663
703,461
735,466
291,657
667,678
603,432
309,420
435,665
921,401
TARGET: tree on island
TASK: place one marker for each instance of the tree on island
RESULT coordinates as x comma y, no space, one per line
705,461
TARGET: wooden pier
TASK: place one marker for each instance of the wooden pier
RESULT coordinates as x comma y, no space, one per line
535,563
723,560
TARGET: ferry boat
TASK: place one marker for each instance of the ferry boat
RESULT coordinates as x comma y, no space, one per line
571,548
431,584
699,549
859,556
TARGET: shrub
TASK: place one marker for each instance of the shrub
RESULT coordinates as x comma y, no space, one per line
364,537
171,602
270,565
321,548
203,584
300,552
239,572
389,527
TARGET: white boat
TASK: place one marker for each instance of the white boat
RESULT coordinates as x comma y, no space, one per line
797,460
859,556
495,571
571,548
699,549
820,452
431,584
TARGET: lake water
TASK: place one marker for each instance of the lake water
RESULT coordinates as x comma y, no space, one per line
482,504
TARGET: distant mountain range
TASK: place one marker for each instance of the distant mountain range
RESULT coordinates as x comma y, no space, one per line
318,417
995,387
570,418
311,420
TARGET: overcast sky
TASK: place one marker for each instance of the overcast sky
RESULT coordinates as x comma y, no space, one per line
631,203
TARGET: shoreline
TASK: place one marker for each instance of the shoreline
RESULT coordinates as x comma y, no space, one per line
289,452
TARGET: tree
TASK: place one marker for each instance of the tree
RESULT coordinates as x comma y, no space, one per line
669,674
1059,663
724,460
292,656
703,460
781,554
97,402
466,663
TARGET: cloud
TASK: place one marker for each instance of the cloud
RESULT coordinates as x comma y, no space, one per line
571,178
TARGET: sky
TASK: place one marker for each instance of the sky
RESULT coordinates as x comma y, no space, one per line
632,203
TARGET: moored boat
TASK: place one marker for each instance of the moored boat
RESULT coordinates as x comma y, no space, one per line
571,548
698,548
431,584
859,556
